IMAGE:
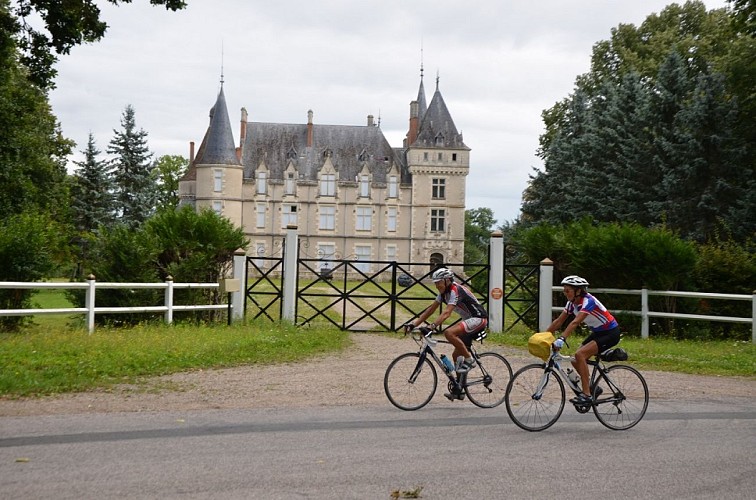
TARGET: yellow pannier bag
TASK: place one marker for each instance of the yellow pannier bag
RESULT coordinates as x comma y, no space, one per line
539,344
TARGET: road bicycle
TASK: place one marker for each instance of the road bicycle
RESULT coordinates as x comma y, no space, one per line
411,379
535,396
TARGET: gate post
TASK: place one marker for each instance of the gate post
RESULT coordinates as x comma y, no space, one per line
545,283
291,250
239,273
496,283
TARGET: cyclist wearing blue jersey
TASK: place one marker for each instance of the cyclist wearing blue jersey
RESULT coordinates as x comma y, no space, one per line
605,331
461,300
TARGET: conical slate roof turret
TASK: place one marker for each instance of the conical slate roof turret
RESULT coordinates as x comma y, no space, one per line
218,147
437,128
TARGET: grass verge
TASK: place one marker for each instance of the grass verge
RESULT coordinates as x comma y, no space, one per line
40,361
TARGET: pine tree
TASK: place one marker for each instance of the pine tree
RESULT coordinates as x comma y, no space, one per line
134,186
92,193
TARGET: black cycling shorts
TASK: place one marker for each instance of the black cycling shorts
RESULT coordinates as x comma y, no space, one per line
605,339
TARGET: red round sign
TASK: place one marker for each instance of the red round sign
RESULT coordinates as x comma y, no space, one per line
496,293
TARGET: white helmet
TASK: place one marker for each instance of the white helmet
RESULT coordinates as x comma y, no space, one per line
574,280
441,274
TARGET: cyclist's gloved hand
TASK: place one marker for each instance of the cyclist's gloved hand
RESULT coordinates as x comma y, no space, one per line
408,327
425,331
558,343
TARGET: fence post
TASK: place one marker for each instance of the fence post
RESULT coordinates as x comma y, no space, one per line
240,273
545,282
169,299
89,300
291,250
644,313
496,283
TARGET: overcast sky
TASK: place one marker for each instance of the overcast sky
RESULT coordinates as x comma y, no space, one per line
501,63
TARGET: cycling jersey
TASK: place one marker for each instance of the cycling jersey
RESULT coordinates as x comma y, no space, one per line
599,319
464,302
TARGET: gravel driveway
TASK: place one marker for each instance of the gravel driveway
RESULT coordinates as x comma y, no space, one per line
351,378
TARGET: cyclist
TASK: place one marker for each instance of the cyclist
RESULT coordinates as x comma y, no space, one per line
587,309
457,298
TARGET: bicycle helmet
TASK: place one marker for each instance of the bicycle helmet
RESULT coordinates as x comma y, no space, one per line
575,280
441,274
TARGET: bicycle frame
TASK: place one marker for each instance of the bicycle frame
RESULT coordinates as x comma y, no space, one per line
597,373
426,347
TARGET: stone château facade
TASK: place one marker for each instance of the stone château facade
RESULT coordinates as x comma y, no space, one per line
350,193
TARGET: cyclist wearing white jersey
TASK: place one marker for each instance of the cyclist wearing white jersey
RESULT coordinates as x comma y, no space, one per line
605,331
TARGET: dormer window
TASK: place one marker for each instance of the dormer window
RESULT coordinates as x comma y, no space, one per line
439,141
291,154
327,153
364,156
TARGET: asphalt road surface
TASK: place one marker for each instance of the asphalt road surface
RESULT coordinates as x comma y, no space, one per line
690,450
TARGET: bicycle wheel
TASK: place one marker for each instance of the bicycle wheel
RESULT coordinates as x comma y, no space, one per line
410,385
488,391
535,397
624,399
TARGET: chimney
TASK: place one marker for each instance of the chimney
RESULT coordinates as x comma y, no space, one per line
370,121
191,152
243,130
413,122
309,128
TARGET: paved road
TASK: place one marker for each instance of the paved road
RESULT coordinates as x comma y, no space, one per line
690,450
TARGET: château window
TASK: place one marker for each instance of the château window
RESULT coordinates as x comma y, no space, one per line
364,186
393,186
218,207
391,217
440,156
260,213
425,156
364,219
454,156
289,215
438,220
262,182
438,189
362,252
291,183
218,180
328,185
391,253
328,218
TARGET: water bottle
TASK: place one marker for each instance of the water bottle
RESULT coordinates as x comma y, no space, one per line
447,363
573,376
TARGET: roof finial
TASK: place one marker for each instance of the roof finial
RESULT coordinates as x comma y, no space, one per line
379,117
221,79
421,59
437,79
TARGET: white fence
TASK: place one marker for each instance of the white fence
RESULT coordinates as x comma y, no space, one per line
91,287
546,294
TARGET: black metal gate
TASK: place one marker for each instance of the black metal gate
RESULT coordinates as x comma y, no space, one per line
376,295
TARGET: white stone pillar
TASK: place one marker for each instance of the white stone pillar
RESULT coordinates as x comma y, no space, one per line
239,273
496,283
545,283
291,255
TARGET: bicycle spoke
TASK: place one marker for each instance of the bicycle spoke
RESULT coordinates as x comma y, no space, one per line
624,399
530,408
409,385
487,381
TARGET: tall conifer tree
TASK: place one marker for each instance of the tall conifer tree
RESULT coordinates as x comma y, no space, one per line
134,184
92,193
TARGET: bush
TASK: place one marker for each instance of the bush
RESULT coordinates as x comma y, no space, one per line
27,247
